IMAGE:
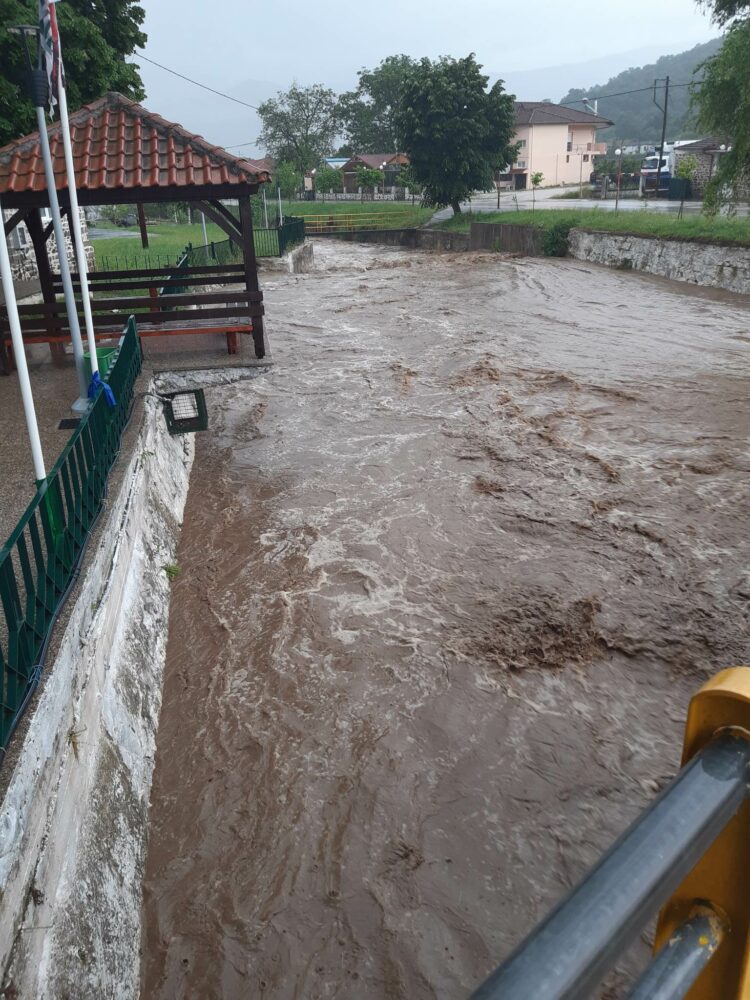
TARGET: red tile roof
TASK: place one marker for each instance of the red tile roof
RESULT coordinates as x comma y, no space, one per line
120,146
375,160
546,113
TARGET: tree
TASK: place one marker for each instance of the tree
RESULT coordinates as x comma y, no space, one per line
723,109
367,113
536,180
299,125
685,170
407,179
96,37
288,178
368,179
725,10
327,180
456,133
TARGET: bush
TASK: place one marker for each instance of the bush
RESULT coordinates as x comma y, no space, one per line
555,239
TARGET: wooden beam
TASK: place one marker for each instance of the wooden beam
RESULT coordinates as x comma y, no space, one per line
228,225
157,194
142,224
39,241
251,270
16,219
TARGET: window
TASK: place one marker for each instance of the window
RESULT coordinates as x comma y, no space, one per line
567,159
521,164
585,157
522,144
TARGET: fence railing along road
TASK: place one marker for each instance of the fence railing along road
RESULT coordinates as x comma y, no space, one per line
39,562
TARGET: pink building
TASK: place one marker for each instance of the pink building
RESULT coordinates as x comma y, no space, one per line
556,141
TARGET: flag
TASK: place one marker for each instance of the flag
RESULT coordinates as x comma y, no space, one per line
50,42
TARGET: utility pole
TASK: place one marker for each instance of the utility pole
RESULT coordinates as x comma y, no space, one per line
663,129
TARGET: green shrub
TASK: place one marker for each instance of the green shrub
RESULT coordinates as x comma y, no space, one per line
555,239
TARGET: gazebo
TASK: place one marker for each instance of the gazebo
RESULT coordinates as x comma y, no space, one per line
126,155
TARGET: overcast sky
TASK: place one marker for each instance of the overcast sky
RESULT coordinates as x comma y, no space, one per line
251,50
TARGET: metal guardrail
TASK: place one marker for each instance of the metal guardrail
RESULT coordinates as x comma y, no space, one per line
347,222
40,560
692,845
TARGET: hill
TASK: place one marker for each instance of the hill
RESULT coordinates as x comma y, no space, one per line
636,117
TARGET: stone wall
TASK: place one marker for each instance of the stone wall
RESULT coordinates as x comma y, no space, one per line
714,265
23,261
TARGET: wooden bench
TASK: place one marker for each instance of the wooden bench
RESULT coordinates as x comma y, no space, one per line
158,313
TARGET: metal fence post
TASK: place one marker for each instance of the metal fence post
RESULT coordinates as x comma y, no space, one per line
722,876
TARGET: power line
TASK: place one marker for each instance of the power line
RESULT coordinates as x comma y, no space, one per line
624,93
203,86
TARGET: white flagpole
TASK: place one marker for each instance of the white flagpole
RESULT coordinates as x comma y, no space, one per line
75,227
20,353
81,404
74,218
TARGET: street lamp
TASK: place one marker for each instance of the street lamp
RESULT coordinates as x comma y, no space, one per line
618,154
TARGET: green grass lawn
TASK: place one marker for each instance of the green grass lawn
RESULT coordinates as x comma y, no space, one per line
643,223
166,241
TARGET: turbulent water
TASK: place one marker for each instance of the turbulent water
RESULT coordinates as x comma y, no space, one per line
450,572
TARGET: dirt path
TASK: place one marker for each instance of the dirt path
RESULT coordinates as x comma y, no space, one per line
450,572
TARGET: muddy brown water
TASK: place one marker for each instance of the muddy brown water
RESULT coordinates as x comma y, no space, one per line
450,572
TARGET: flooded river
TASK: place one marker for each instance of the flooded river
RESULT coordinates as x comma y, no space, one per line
450,572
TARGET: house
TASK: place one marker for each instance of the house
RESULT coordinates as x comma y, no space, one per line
389,163
708,153
556,141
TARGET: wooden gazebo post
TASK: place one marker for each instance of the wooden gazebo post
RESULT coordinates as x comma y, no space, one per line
251,270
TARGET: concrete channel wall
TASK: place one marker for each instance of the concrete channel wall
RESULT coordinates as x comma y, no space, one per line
74,820
715,265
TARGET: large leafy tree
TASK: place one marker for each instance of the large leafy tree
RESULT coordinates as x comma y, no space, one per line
96,37
722,101
367,113
724,10
456,132
300,125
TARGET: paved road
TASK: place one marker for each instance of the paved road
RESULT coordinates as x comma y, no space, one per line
547,198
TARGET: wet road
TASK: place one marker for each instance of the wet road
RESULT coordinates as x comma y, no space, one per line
450,572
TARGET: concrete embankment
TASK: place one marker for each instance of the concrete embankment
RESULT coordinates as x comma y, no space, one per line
714,265
73,825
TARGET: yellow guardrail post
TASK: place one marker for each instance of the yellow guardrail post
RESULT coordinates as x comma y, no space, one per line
720,881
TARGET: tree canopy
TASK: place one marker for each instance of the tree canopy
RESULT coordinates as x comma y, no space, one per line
724,11
723,108
96,36
367,113
300,125
455,131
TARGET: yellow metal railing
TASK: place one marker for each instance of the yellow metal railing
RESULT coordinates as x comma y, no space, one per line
342,222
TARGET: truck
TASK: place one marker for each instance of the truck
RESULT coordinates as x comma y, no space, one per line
650,168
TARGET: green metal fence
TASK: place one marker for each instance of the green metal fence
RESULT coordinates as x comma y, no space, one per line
268,243
40,560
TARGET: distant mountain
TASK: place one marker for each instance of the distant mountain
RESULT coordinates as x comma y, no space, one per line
637,119
542,82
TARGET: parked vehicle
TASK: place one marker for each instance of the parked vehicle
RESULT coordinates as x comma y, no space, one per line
650,172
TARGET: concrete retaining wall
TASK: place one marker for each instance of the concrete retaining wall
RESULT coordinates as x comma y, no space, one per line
74,819
506,238
412,239
711,264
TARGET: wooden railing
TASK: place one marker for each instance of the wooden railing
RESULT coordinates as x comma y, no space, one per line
115,294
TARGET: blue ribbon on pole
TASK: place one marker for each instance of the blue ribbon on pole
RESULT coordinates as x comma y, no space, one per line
96,385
